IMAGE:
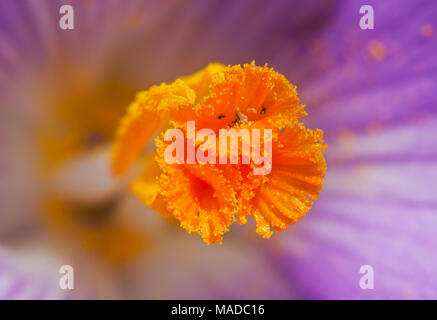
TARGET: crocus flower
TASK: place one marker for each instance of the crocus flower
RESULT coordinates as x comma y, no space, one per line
63,92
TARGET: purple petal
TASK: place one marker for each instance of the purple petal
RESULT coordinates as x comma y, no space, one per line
373,93
24,278
351,77
379,209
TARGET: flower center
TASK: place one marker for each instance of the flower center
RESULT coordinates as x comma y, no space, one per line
208,197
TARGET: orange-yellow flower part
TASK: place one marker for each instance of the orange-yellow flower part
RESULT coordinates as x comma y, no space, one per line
208,198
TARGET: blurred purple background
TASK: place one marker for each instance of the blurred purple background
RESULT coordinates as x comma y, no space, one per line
62,93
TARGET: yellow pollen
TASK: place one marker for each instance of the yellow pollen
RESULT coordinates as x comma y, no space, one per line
427,30
374,127
208,198
346,139
377,50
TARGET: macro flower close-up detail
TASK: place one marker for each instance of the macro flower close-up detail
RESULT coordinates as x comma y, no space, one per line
208,197
93,175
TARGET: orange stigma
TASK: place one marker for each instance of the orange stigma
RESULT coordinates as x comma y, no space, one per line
207,198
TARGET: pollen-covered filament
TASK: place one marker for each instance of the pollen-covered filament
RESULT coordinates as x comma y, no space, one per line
207,198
